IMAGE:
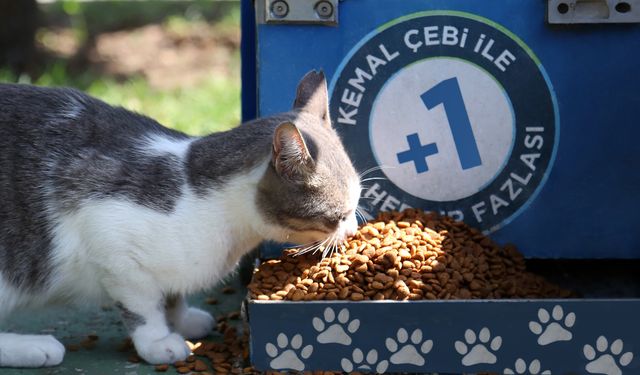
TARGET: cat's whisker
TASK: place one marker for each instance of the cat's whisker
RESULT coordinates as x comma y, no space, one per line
360,215
304,245
323,248
309,249
312,247
376,168
370,170
335,247
327,249
373,179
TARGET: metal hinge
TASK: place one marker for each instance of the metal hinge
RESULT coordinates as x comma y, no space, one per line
322,12
593,11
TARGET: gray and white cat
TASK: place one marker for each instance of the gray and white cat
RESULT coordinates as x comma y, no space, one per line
100,203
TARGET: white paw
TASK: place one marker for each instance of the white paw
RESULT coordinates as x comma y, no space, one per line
480,352
521,368
357,362
286,356
169,349
30,350
335,332
549,331
195,324
606,363
405,352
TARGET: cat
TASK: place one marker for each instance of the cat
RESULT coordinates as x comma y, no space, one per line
97,203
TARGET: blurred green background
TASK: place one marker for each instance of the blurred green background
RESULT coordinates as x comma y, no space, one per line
175,61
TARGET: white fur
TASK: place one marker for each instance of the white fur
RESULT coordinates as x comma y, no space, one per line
135,255
184,251
350,226
29,350
194,323
74,107
159,145
167,349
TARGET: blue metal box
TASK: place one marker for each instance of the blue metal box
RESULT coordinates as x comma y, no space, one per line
480,110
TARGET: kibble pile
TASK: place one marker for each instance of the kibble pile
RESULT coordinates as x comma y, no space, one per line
407,255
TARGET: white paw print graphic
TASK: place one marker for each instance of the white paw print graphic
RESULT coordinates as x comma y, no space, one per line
335,332
606,363
357,362
286,356
557,330
521,368
479,352
405,352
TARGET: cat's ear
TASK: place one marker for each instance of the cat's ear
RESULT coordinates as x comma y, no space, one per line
291,157
312,96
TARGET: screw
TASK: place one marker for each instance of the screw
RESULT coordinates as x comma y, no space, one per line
279,8
324,9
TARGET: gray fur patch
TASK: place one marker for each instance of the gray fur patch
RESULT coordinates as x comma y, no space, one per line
130,319
322,201
171,301
214,159
60,148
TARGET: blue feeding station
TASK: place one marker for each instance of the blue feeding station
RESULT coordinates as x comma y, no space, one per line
518,117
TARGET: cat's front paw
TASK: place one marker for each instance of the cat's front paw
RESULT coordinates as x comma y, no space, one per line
30,350
195,324
169,349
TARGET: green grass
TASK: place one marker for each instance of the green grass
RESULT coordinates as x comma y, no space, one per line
210,106
213,104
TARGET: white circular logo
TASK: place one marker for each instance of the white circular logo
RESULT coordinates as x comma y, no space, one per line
459,115
442,129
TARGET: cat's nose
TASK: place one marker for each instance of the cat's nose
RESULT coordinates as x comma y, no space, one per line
350,229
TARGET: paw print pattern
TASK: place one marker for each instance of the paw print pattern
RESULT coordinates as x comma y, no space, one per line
335,332
521,368
479,352
357,362
608,359
405,352
549,331
286,356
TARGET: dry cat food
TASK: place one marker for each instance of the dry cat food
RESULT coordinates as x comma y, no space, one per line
231,356
209,357
407,255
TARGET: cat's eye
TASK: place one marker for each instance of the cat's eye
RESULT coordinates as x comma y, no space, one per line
343,218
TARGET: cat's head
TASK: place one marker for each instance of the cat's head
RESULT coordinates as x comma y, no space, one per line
311,189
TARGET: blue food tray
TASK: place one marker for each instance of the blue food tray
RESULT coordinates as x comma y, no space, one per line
562,336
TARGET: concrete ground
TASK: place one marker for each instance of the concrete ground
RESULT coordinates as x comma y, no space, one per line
72,326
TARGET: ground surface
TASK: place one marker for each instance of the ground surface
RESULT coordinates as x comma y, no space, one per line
73,325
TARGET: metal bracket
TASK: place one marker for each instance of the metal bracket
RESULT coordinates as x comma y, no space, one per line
593,11
319,12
